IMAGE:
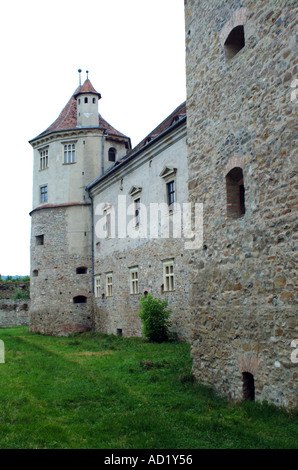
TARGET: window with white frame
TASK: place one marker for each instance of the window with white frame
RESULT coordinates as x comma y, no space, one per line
171,195
109,284
97,285
168,275
134,280
69,153
43,159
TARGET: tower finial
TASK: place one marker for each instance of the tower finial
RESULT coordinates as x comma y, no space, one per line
80,70
87,71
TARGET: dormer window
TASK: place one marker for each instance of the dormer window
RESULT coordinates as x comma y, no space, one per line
234,42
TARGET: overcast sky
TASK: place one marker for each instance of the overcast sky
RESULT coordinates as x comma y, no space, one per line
135,53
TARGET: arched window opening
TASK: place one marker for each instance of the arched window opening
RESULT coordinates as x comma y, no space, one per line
80,299
93,100
35,273
86,100
112,154
235,193
248,386
234,42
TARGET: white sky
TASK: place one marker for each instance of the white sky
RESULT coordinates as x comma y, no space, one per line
135,53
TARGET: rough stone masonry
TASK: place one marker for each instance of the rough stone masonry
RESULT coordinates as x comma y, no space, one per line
242,166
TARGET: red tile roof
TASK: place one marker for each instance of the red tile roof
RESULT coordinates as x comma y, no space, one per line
175,116
67,119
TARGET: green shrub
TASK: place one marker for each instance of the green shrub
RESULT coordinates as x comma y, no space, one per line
21,294
155,317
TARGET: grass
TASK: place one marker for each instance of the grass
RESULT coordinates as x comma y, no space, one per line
106,392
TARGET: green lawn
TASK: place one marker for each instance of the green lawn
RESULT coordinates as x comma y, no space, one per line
106,392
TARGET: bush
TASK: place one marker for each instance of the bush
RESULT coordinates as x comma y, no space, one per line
155,317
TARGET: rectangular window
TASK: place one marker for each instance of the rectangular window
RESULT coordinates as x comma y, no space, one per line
137,208
168,275
97,291
44,194
39,239
109,284
43,159
134,280
69,153
171,195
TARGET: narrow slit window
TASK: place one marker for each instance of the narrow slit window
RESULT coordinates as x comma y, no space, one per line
235,193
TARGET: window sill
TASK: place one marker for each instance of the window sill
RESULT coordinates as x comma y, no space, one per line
71,163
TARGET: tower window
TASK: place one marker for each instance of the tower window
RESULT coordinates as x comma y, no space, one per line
81,270
171,195
69,153
109,284
235,42
35,273
112,154
43,194
80,299
93,100
86,100
235,193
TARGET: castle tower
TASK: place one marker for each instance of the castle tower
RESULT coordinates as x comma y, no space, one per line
68,156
